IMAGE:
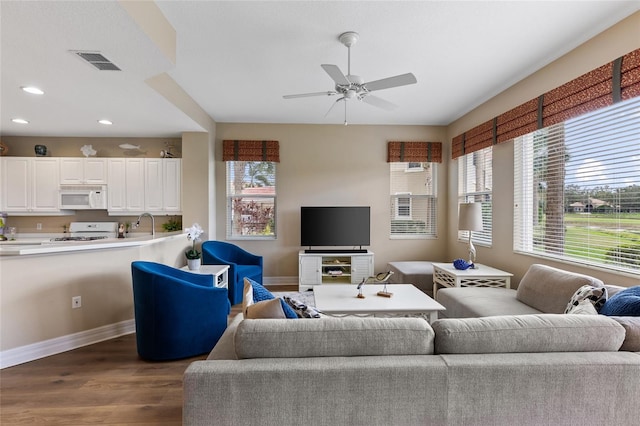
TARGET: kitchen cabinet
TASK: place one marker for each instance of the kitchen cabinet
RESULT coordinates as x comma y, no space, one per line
30,186
125,187
78,170
137,185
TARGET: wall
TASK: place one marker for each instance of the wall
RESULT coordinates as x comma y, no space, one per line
607,46
332,165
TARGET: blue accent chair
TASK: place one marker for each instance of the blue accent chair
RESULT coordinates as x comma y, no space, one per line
178,314
241,264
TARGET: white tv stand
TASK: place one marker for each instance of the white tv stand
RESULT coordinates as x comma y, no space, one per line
333,268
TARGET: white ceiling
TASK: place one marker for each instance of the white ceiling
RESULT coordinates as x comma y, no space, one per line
236,59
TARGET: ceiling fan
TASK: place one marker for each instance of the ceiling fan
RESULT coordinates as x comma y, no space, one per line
353,86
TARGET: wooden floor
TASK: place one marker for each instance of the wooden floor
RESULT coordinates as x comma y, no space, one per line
105,383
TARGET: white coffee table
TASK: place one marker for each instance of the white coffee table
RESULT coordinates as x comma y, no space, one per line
341,300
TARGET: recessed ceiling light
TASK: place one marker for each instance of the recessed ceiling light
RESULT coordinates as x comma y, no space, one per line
33,90
105,122
20,120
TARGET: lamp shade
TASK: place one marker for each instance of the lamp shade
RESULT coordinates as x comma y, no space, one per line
470,217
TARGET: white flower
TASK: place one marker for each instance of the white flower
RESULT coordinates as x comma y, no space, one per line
193,233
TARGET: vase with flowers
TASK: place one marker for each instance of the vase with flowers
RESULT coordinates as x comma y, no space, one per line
193,256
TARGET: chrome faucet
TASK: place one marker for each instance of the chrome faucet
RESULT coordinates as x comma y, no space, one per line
153,223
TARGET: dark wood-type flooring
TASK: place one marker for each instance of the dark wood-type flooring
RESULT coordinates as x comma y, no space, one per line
104,383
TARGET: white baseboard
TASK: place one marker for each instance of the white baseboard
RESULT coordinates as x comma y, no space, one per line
57,345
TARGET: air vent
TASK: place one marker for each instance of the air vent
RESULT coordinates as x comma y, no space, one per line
97,60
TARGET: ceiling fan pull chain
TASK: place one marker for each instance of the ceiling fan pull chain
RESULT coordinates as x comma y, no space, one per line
345,112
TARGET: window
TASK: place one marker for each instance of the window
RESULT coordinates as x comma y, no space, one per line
251,199
475,183
413,200
577,189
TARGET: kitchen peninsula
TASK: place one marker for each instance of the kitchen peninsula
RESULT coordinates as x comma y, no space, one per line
39,280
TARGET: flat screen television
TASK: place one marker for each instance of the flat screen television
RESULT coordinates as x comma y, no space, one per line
347,227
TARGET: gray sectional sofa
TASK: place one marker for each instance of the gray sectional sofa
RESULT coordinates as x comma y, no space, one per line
541,369
543,289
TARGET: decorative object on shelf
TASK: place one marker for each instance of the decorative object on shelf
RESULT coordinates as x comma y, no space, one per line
462,264
41,150
194,256
131,150
470,219
88,151
4,149
167,153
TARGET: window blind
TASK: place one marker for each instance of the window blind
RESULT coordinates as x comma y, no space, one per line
413,200
577,189
241,150
475,185
414,152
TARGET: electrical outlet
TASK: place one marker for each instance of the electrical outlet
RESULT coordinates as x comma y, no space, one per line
76,302
39,226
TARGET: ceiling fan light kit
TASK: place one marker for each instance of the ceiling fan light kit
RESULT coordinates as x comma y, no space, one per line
351,86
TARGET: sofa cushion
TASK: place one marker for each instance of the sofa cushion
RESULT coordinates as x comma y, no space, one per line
473,302
632,337
258,302
596,296
528,333
623,303
327,337
549,289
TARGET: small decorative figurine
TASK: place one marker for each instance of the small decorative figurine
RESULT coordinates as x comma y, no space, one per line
462,264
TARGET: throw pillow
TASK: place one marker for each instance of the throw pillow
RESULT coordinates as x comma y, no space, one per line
265,309
584,307
597,296
623,303
255,292
302,310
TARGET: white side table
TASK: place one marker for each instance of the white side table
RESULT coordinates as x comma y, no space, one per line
220,273
446,275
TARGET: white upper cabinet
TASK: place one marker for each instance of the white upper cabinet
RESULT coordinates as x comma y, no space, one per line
139,185
78,170
30,186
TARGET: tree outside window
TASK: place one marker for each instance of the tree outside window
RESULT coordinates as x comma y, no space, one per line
251,199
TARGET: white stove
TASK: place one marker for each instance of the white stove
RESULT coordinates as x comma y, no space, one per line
90,231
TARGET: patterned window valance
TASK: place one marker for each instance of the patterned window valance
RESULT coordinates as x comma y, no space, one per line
599,88
236,150
415,152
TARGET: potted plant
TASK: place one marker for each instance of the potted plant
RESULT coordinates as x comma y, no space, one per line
193,255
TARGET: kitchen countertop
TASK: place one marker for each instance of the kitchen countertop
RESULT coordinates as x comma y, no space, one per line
43,245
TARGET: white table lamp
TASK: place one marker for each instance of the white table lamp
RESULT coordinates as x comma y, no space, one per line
470,219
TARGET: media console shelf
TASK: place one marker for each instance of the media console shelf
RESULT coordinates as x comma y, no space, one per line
333,268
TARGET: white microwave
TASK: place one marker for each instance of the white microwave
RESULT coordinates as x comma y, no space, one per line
83,197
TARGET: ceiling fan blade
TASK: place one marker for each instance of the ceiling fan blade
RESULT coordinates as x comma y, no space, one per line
306,95
335,74
387,83
334,104
379,102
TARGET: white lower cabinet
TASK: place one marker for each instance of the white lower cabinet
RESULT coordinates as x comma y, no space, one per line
333,268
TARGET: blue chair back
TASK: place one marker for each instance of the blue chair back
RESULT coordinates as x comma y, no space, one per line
178,314
241,264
